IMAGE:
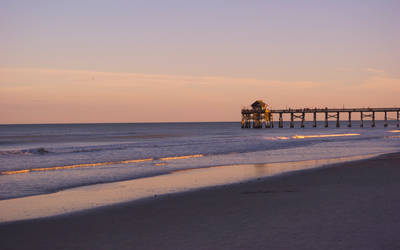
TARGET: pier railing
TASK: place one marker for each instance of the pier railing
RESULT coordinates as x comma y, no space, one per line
258,118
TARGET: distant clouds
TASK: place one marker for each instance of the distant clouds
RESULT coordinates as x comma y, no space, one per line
34,95
373,70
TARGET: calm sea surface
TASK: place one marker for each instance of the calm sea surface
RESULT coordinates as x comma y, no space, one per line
37,159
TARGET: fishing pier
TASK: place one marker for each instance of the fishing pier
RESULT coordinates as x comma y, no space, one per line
259,115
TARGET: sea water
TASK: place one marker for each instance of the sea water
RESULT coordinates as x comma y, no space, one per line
37,159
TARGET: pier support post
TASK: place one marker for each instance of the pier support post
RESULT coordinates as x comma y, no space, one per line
349,125
271,119
386,120
280,120
268,122
337,119
249,121
291,120
315,120
303,117
326,120
398,121
362,120
373,119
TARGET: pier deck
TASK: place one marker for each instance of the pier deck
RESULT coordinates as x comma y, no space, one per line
257,117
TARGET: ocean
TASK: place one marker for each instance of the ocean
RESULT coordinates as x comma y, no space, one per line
46,158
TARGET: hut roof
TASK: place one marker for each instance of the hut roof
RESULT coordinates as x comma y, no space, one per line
259,104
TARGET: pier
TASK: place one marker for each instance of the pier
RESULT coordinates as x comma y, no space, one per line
259,116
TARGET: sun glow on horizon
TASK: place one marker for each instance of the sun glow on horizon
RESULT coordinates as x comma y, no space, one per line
73,96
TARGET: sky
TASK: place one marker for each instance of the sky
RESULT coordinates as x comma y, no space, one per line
182,61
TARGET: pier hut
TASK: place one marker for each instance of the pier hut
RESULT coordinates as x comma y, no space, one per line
260,115
257,117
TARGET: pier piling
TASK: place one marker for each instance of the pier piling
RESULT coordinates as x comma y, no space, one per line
398,121
280,120
373,119
315,119
326,120
291,120
337,119
362,120
268,123
386,120
271,120
349,125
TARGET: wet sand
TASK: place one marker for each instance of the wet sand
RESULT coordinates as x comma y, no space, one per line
352,205
100,195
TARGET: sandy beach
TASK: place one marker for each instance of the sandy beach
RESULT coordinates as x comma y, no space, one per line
345,206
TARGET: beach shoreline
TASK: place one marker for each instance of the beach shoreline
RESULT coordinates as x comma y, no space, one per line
180,181
351,205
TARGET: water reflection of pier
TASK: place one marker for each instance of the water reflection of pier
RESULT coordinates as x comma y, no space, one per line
261,116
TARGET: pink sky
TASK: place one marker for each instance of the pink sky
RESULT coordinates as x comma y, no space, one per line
176,61
32,95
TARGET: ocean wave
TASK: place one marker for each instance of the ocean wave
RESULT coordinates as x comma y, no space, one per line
32,151
97,164
207,146
62,150
88,150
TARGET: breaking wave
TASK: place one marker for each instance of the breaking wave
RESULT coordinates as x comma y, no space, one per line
32,151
